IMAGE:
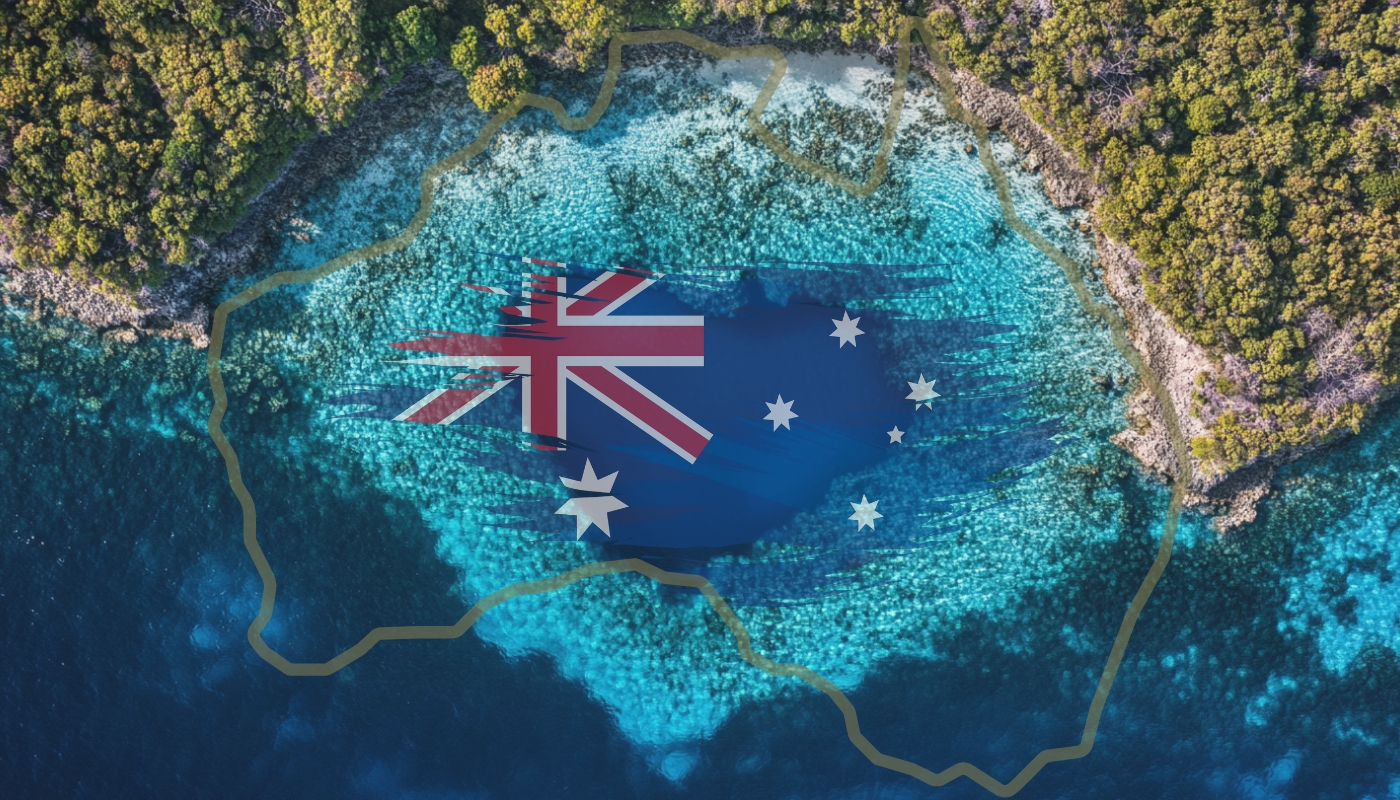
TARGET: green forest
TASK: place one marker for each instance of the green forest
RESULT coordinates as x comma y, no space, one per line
1251,148
1251,152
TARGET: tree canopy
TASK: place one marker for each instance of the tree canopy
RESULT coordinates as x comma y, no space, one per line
1251,149
132,131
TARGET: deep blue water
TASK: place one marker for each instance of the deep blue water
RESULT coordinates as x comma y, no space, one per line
1264,666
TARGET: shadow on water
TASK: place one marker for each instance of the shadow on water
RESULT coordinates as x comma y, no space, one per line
129,607
128,594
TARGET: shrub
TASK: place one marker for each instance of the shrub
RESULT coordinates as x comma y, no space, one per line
1381,189
510,29
1205,114
413,33
466,51
495,86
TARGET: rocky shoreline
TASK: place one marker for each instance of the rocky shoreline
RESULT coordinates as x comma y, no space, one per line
1231,497
182,306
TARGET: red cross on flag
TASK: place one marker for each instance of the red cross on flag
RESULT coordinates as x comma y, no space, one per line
560,338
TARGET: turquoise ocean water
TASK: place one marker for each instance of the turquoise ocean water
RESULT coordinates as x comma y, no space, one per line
1265,665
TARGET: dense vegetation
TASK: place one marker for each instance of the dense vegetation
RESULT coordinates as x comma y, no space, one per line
1251,148
129,129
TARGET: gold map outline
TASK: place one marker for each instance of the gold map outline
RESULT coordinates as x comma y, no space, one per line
1103,312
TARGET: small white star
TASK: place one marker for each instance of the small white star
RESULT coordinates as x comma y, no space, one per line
846,329
923,392
591,510
896,435
865,513
780,413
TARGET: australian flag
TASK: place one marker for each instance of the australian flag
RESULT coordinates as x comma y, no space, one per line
684,413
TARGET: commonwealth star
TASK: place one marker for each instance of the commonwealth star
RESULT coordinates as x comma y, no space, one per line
591,510
865,513
923,392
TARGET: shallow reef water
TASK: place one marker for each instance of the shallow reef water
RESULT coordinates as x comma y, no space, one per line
1265,665
631,191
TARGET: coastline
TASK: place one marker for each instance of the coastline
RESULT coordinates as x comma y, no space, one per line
1231,497
182,307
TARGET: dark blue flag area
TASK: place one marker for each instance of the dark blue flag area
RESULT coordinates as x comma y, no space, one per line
683,417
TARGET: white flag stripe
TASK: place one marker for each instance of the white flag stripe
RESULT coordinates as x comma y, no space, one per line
634,419
473,403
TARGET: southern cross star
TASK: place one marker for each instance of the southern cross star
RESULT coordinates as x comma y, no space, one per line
923,392
780,413
591,510
846,329
896,435
865,513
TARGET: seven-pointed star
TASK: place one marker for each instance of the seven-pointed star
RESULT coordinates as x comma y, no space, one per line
923,392
846,329
591,510
780,413
865,513
896,435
